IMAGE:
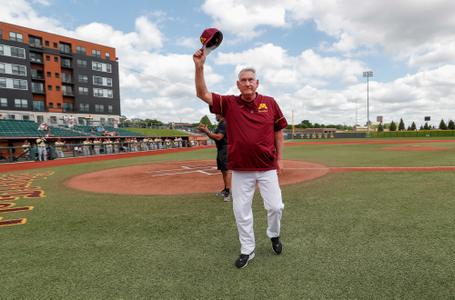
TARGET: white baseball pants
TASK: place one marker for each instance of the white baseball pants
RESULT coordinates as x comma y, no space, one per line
243,187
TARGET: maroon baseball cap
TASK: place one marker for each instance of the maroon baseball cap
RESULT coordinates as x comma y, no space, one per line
211,38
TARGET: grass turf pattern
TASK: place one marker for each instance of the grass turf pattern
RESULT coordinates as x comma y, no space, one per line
373,235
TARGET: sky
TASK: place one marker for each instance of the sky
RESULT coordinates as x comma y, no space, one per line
310,55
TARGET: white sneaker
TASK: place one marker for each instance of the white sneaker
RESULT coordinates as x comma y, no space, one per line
227,198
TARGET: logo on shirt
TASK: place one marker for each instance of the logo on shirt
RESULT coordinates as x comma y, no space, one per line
262,107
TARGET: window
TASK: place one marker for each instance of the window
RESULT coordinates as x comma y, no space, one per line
19,70
105,81
49,87
2,51
66,78
11,83
109,109
20,103
99,108
55,58
48,74
37,87
64,47
82,63
11,69
83,90
57,75
102,93
35,57
83,78
35,41
67,90
57,88
84,107
48,58
51,104
66,62
96,53
102,67
53,119
55,45
17,52
46,43
14,36
3,102
19,84
81,50
108,55
38,106
67,107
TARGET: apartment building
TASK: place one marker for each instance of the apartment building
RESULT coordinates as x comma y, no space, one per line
52,78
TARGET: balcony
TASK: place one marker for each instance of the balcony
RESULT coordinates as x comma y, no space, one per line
38,90
66,65
67,80
68,93
36,45
36,60
37,77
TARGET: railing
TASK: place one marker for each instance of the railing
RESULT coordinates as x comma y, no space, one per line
36,60
38,90
39,77
36,45
68,93
33,153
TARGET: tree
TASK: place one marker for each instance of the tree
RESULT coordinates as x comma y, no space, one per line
442,125
451,125
205,120
380,127
426,126
393,126
413,126
305,124
401,126
421,127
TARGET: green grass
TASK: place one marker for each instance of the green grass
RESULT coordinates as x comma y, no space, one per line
157,132
373,235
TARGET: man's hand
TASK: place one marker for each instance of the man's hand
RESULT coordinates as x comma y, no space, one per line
199,57
280,167
203,128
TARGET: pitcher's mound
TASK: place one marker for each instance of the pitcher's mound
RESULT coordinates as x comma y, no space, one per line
174,178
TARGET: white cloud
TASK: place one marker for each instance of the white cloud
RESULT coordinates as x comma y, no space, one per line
416,31
243,18
426,93
275,67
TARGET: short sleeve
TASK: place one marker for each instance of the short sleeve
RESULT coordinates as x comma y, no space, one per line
279,120
218,105
221,128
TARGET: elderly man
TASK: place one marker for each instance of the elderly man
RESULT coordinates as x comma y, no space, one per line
255,143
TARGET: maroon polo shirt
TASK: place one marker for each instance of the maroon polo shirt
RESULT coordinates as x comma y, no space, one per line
251,128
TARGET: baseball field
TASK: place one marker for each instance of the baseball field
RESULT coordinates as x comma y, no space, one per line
377,222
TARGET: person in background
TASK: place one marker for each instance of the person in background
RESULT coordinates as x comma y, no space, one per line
220,138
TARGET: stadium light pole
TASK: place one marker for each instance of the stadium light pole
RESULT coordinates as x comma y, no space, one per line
368,74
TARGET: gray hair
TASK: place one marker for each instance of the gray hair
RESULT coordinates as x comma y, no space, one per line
248,69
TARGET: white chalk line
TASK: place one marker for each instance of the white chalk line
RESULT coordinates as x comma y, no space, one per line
191,169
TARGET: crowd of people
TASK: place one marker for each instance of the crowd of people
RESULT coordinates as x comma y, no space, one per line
45,148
